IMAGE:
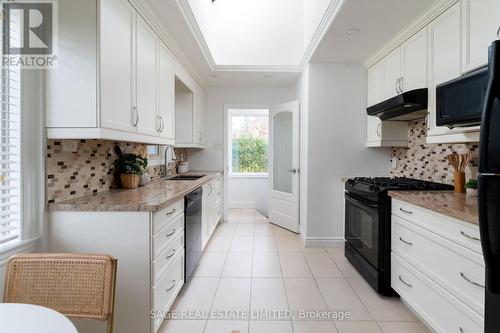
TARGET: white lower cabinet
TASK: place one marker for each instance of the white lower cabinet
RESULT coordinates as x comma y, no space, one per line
438,308
436,270
212,208
150,251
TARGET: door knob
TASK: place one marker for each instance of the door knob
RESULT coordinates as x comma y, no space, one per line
293,170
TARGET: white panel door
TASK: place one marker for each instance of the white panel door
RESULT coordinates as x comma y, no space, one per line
480,23
392,73
117,58
376,82
166,100
414,62
444,65
148,123
284,165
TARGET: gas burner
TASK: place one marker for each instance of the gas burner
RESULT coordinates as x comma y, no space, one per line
383,184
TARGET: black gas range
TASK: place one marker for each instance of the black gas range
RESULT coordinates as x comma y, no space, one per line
368,225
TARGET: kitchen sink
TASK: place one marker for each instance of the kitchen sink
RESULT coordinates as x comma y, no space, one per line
185,177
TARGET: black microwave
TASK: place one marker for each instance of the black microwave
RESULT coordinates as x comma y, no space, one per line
459,102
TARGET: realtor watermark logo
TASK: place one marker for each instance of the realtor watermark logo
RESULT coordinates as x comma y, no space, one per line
29,33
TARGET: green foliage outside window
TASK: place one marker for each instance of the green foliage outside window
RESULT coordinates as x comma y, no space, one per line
250,154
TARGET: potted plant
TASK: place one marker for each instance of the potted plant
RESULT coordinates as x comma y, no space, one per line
471,187
130,167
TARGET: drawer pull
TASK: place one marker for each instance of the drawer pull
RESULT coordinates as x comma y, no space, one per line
406,211
404,282
173,282
406,242
470,281
172,253
171,234
469,236
170,213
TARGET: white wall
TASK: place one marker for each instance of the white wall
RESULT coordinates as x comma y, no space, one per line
212,158
249,193
336,145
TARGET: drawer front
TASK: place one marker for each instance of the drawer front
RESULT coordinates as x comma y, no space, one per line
164,237
463,233
167,256
165,216
458,270
437,308
167,288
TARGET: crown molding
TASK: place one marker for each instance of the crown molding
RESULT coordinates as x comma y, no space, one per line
419,23
331,13
152,19
188,15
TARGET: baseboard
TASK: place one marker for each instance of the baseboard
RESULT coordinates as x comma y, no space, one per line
332,242
246,205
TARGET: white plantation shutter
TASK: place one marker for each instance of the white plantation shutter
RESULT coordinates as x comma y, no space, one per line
10,203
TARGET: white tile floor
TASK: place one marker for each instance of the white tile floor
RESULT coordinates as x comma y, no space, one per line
251,265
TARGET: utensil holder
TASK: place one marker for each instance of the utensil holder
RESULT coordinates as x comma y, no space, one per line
459,182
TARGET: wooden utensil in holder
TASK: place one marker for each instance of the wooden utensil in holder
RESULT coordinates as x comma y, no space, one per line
459,163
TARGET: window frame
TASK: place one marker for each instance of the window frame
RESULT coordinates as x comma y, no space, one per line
252,111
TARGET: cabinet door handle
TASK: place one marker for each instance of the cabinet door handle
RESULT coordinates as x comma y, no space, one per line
162,124
173,283
171,234
401,88
406,211
171,254
460,329
469,236
404,241
379,130
427,123
210,193
170,213
397,86
136,112
470,281
404,282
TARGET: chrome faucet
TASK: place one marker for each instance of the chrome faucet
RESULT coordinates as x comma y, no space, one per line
169,157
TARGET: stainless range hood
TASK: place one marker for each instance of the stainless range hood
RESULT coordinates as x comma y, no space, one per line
411,105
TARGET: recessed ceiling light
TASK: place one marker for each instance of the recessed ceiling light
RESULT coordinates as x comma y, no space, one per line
268,76
352,31
214,76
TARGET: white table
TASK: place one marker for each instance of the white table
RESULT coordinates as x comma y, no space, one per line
27,318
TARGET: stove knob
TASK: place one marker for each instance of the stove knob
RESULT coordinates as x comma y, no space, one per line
351,182
376,189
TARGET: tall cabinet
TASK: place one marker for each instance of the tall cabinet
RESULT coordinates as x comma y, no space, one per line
114,78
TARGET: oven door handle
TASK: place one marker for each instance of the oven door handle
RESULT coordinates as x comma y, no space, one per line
350,198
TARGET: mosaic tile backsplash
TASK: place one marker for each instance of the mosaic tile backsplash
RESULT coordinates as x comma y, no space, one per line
428,161
89,170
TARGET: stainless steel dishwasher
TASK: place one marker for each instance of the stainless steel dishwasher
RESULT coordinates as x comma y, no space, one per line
192,231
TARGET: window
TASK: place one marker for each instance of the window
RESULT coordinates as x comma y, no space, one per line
10,122
248,141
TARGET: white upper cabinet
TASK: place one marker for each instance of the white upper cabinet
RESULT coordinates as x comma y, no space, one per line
117,54
445,46
376,89
166,113
414,62
190,104
403,69
199,115
392,70
146,81
115,76
480,23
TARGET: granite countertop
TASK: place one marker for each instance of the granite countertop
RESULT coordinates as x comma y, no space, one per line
155,196
456,205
